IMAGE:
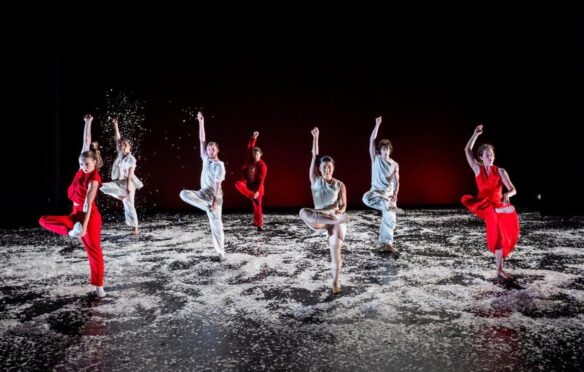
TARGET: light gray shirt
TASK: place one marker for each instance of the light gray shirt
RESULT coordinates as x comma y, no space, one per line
382,174
325,195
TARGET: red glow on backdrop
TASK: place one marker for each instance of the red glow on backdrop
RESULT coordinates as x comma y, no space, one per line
432,164
431,84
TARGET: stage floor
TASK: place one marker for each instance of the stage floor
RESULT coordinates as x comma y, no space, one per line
172,305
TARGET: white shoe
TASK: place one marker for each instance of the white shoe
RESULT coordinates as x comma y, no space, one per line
99,292
222,256
76,232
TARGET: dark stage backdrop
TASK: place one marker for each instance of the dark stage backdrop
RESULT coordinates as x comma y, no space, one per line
432,73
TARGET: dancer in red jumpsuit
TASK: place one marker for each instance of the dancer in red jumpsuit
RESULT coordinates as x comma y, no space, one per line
491,204
84,222
251,184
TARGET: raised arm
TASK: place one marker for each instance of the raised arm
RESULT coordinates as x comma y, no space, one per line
202,141
251,144
373,137
117,135
507,182
87,132
313,173
468,150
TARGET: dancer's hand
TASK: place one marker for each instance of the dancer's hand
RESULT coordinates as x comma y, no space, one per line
88,118
479,129
200,117
213,206
393,198
128,190
314,132
378,121
256,134
115,121
83,231
256,194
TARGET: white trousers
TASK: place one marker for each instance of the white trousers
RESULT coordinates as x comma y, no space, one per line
378,200
118,189
203,199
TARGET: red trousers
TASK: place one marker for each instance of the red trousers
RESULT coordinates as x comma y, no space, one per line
258,216
91,241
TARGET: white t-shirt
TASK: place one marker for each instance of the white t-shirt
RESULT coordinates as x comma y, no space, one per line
122,165
213,171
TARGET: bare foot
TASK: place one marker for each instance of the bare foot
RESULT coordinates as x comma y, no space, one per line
390,248
336,287
136,231
504,275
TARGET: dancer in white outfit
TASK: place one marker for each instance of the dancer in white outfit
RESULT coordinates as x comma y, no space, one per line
210,197
384,187
124,181
330,205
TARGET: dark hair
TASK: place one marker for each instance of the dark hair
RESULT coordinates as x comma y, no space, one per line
213,143
384,143
125,139
326,158
94,154
258,149
482,148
